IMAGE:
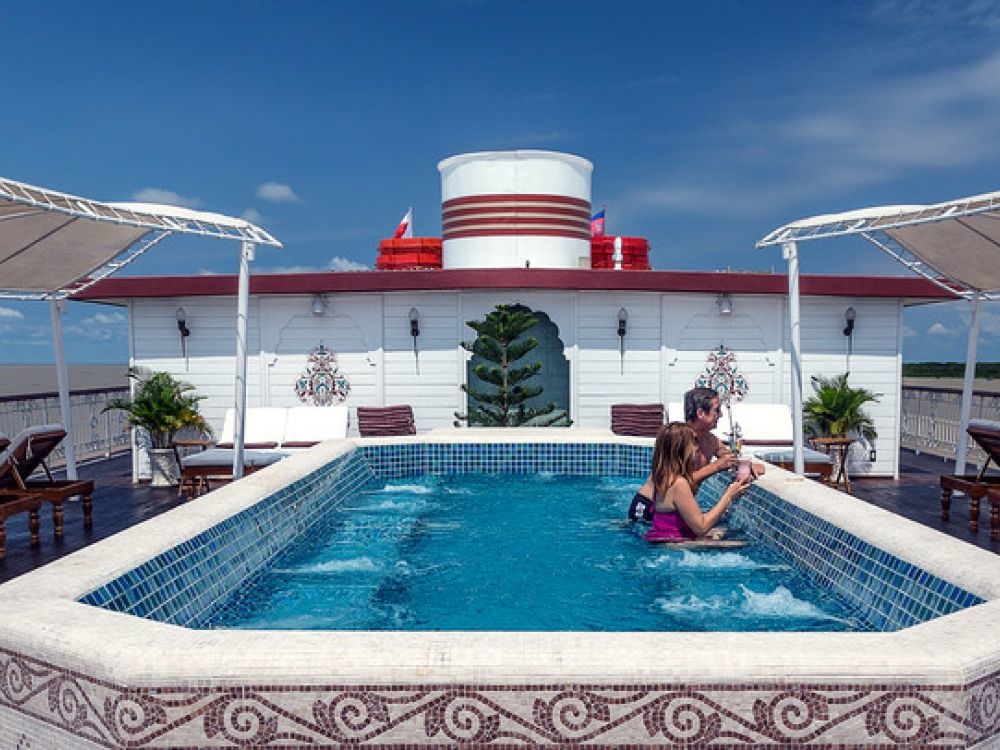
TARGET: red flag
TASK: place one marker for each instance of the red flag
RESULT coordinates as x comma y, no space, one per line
405,228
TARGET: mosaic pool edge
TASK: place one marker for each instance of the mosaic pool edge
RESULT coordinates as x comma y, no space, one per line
764,714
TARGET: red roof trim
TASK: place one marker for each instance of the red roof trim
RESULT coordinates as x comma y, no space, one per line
121,287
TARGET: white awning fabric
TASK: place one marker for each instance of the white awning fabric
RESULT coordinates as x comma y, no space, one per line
54,244
955,244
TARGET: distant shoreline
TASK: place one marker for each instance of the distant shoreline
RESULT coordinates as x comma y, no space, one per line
21,380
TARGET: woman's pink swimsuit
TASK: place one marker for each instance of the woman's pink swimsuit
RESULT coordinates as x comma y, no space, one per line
669,527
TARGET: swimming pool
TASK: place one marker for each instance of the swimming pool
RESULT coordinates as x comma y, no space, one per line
82,676
520,552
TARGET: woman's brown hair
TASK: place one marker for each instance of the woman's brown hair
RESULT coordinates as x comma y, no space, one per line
672,454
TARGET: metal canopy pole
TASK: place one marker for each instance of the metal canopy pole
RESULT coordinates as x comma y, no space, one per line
242,309
65,412
962,444
789,252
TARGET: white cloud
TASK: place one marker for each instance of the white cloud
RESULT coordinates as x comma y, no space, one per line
277,192
878,129
908,333
166,197
947,117
8,314
343,264
291,269
336,263
938,329
102,326
929,15
253,216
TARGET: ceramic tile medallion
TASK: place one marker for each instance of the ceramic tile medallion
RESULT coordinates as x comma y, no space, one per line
321,382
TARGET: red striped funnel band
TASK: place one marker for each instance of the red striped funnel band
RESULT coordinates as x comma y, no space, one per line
515,214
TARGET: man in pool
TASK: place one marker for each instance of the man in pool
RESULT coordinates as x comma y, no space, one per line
711,455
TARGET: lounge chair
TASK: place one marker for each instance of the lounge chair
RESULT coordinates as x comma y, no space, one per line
27,452
976,486
639,420
766,430
386,421
271,434
11,505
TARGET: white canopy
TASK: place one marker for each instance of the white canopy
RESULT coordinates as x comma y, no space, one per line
54,244
954,244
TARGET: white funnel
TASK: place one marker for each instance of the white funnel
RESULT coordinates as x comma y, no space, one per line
515,209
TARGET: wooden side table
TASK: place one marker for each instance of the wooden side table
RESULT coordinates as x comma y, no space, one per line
838,448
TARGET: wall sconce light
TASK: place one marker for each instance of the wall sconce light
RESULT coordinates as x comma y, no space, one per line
725,304
319,304
622,322
622,330
414,318
182,323
849,317
414,324
182,328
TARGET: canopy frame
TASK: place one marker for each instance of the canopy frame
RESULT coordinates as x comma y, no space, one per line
153,223
889,228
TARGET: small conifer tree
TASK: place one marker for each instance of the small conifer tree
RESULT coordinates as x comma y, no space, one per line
501,402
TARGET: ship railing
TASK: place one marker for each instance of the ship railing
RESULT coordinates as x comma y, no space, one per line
930,420
96,434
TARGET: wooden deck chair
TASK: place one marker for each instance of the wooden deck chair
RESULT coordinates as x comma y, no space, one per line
27,452
10,505
640,420
386,421
976,486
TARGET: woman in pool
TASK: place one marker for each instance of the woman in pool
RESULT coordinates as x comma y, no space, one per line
676,514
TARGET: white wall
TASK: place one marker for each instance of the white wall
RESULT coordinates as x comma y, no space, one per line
693,327
875,364
427,378
666,347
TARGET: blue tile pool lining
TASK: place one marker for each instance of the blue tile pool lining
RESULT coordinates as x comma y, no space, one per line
188,583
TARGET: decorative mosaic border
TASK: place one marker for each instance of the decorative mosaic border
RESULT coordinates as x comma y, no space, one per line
779,714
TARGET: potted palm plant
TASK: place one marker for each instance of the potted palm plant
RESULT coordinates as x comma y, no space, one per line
160,406
836,409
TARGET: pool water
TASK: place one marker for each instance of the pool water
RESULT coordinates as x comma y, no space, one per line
521,552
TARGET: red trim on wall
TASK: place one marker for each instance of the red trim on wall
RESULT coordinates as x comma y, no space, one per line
123,287
504,221
521,209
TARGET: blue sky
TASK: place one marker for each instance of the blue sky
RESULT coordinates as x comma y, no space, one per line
709,123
